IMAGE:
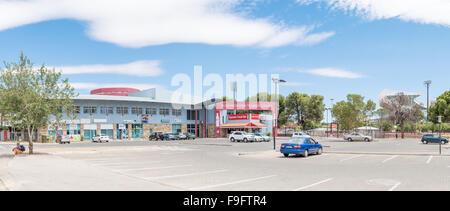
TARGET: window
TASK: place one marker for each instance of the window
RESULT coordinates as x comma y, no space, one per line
136,110
191,115
106,110
90,109
164,111
176,112
122,110
151,111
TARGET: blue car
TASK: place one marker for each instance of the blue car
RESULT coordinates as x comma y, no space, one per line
171,136
301,146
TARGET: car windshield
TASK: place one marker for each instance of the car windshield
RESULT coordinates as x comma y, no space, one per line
297,140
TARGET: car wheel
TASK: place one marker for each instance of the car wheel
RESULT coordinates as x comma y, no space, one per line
286,155
425,142
350,139
319,152
305,154
245,140
442,142
232,140
367,140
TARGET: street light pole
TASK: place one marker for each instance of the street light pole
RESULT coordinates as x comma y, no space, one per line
428,83
275,120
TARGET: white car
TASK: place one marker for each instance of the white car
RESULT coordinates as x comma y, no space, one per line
100,139
241,136
182,136
261,137
300,134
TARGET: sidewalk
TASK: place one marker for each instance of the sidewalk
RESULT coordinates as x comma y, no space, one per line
49,172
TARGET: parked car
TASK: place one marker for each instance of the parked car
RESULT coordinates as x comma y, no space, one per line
157,136
241,136
433,138
171,136
182,136
357,137
300,134
190,136
100,139
301,146
64,139
261,137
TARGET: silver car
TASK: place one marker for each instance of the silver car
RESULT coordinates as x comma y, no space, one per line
357,137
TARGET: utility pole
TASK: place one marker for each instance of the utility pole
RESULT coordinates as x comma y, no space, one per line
428,83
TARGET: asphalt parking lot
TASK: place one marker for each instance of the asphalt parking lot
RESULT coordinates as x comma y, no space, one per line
217,164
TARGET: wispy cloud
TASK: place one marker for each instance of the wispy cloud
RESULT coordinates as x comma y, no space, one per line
420,11
333,73
139,23
295,84
137,68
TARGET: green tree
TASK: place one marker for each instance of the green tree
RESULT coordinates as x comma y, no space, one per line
306,110
441,108
33,97
353,112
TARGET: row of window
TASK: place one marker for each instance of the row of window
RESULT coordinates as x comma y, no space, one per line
125,110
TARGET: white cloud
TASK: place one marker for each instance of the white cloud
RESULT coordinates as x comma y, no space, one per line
137,68
139,23
295,84
333,73
90,86
420,11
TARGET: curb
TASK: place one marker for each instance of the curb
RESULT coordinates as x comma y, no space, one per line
387,153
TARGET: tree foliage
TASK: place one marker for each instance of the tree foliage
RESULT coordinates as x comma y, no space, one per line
354,112
307,111
32,98
441,108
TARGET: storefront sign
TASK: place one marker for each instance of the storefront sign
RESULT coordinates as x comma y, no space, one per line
122,126
238,117
90,127
106,126
73,127
100,120
255,116
144,118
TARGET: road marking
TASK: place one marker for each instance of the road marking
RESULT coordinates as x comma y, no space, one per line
395,186
312,185
154,168
124,163
186,175
353,157
390,158
232,183
429,159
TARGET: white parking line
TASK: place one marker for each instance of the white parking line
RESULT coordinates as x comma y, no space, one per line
154,168
187,175
312,185
429,159
232,183
353,157
124,163
390,158
395,186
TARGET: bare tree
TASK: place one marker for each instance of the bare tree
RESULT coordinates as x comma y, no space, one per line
402,109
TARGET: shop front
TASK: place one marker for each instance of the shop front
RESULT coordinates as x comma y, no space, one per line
107,130
122,131
90,130
137,131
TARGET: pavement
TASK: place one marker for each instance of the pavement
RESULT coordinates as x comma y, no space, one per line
217,164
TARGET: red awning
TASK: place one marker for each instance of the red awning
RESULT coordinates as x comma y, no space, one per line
243,125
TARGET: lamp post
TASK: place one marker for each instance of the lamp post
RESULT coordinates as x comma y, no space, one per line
331,116
275,120
440,131
428,83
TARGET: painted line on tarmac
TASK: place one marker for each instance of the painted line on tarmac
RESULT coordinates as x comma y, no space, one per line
124,163
314,184
429,159
350,158
390,158
395,186
154,168
186,175
232,183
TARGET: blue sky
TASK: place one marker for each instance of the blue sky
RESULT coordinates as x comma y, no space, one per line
326,47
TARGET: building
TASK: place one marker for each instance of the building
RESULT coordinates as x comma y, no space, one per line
127,114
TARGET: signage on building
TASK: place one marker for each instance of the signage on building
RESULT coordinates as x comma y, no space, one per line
73,127
334,126
255,116
122,127
238,117
106,126
144,118
100,120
